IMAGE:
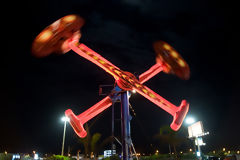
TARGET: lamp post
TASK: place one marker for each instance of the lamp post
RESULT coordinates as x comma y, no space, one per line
65,120
196,131
189,121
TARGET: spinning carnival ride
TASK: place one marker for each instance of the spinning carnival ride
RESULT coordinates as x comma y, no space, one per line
64,34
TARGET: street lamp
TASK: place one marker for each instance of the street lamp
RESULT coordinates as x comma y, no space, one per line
65,120
190,120
196,131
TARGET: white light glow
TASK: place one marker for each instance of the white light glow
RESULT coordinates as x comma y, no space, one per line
65,119
190,120
198,154
36,156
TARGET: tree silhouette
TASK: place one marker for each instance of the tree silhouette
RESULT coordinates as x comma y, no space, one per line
90,143
167,135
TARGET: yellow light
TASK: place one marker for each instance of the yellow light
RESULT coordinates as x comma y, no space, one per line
181,62
137,85
152,95
229,151
238,152
88,53
44,36
101,61
166,46
224,149
190,149
77,44
69,18
124,76
5,152
111,68
131,80
83,50
181,152
95,57
116,71
214,152
174,54
144,90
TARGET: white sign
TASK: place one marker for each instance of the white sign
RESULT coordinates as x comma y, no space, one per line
199,141
108,153
195,129
198,154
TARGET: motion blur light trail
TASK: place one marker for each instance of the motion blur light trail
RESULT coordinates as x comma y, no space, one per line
63,35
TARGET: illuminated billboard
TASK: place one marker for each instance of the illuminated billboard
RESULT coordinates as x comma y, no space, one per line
195,129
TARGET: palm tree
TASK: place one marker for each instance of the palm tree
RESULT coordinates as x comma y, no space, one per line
90,143
167,135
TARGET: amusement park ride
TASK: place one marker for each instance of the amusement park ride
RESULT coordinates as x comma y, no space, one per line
64,34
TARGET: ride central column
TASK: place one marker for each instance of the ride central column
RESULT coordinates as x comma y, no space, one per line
125,121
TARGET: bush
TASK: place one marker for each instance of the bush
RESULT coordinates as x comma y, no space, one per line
156,157
5,156
115,157
187,156
59,157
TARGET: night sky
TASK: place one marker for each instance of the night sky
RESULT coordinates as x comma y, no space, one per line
36,92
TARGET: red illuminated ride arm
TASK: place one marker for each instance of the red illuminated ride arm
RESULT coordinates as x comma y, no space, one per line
154,70
178,113
94,57
168,60
77,122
